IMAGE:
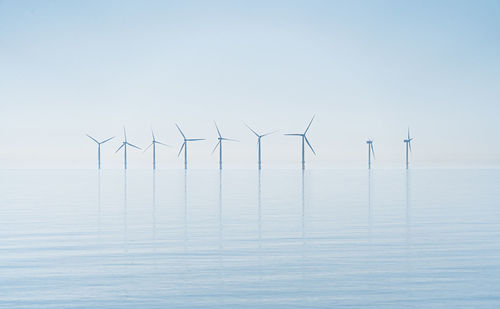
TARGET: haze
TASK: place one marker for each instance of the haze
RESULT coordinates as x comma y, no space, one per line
366,69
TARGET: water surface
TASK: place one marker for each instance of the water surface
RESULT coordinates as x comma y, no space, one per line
275,239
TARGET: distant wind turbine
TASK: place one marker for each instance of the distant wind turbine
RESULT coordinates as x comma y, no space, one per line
304,139
184,145
408,146
124,146
370,152
99,149
219,144
259,136
153,143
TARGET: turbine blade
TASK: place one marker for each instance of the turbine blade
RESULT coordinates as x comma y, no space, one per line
252,130
153,134
269,133
125,134
218,132
182,147
409,144
162,144
119,148
373,151
133,145
107,140
216,145
293,134
408,132
180,131
309,124
308,144
194,139
148,147
93,139
229,139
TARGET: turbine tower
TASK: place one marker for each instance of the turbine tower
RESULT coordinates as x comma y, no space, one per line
408,146
259,136
184,145
370,152
219,144
154,148
124,146
99,149
304,140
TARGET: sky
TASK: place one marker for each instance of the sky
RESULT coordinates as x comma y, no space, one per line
366,69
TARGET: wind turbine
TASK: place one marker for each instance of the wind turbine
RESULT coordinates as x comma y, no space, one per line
219,144
153,143
99,149
370,152
259,136
184,145
304,139
124,146
408,146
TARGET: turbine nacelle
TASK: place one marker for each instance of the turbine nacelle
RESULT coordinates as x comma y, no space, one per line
259,137
408,146
154,142
409,139
188,139
304,139
371,152
99,143
99,148
184,144
370,147
125,143
220,138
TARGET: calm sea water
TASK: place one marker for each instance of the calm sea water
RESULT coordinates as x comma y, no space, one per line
278,239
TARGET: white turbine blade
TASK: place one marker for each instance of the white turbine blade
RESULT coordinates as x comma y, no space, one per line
408,132
153,134
307,141
194,139
93,139
252,130
309,124
409,144
229,139
148,147
119,148
180,131
133,146
216,145
125,134
373,151
269,133
162,144
107,140
293,134
183,144
218,132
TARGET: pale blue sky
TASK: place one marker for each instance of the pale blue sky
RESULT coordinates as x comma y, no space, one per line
365,68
